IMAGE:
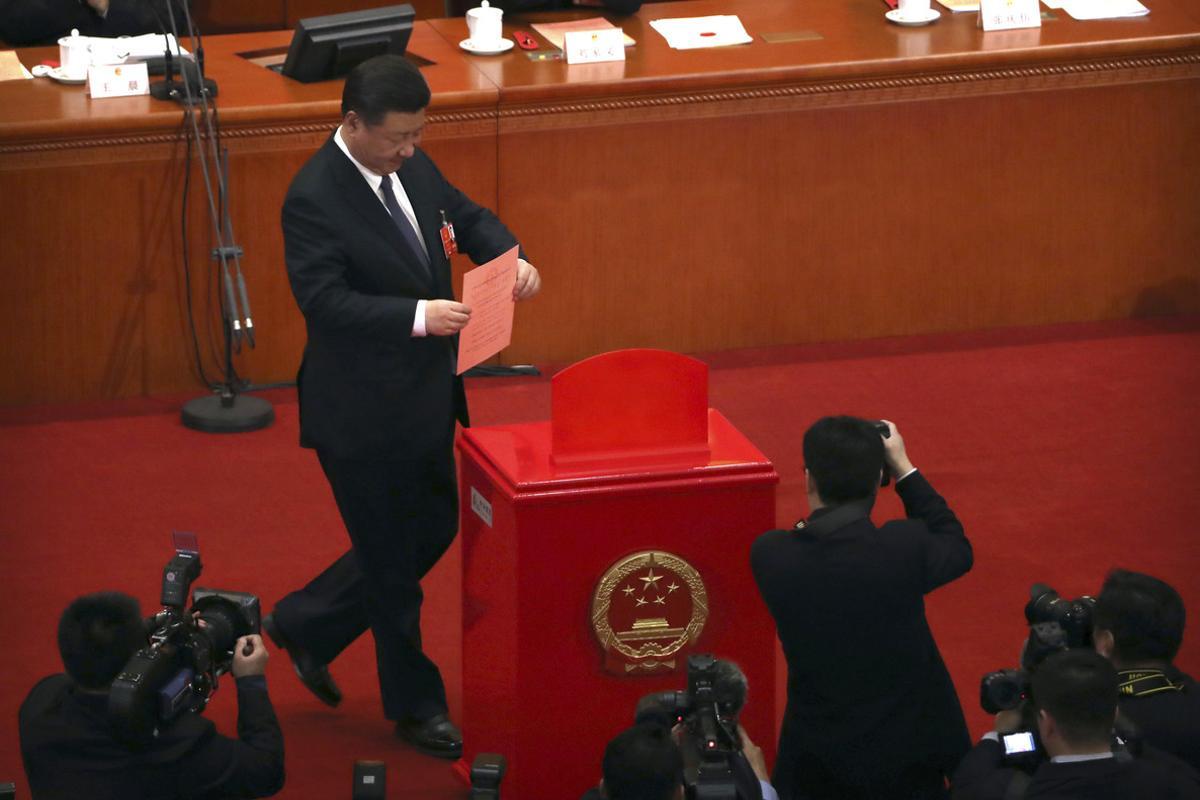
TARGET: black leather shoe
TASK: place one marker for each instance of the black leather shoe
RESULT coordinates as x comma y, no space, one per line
436,736
312,673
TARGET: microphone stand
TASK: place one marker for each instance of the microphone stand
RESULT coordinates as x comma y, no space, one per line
226,410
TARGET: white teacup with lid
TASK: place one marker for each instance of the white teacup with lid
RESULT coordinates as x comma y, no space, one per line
74,55
484,25
914,9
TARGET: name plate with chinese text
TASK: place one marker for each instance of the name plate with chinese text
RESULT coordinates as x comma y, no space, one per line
589,47
1004,15
118,80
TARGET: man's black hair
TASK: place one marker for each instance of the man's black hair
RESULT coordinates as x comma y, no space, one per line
1078,687
382,84
844,456
97,634
1144,615
642,763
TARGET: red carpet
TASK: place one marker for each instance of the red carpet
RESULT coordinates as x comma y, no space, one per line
1065,451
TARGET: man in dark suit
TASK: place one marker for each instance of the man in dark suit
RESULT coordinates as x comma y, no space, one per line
1074,694
67,740
378,394
1138,626
871,710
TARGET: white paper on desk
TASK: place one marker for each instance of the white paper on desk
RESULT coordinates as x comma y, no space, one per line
130,49
1104,9
488,292
690,33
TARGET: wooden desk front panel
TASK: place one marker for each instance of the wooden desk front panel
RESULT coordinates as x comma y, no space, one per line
708,225
92,257
866,180
683,200
94,306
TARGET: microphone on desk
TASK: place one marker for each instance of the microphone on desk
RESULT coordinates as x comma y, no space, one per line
192,85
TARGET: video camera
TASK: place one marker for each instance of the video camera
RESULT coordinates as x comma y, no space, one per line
187,650
1054,624
711,745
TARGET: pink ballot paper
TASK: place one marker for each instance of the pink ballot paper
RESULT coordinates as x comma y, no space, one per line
488,292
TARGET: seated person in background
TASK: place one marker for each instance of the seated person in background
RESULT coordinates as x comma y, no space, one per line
1074,694
1138,625
871,711
641,763
71,753
37,22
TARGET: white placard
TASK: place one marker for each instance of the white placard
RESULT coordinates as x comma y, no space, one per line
589,47
118,80
481,507
1005,15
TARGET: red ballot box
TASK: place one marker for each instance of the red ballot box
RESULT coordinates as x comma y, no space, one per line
600,549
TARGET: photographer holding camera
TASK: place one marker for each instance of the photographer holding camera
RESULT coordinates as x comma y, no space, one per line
69,744
1138,626
1074,703
717,758
871,712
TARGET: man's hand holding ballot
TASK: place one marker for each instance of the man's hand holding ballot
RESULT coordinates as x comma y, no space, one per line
529,282
486,294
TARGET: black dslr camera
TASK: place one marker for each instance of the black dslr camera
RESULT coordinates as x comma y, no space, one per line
1054,624
186,652
714,767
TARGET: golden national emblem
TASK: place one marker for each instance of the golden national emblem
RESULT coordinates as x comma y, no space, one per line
647,608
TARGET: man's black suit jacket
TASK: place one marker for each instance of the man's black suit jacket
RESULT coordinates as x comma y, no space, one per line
1170,721
868,693
982,776
70,753
368,388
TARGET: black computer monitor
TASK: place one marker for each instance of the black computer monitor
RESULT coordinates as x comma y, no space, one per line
330,46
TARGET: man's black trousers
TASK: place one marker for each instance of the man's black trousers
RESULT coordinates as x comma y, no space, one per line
401,515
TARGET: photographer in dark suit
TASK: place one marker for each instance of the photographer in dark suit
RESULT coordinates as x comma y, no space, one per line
70,751
871,710
1074,695
362,226
1138,625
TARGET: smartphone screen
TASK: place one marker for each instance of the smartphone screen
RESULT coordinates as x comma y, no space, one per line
1017,743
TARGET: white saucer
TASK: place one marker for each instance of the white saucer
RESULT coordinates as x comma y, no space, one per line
65,77
500,46
923,19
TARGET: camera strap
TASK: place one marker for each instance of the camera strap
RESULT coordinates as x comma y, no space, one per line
1143,682
837,518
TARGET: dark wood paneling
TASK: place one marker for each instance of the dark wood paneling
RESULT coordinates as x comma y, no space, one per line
878,180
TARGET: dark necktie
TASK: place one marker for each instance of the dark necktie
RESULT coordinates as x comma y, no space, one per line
406,228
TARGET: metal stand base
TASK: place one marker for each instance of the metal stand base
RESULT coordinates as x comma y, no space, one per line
227,414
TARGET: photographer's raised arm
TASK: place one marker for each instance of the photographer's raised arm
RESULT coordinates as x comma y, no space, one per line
251,765
947,552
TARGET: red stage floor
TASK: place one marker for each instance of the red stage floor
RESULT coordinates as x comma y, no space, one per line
1065,450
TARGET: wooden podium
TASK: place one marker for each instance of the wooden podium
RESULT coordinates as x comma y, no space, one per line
600,549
